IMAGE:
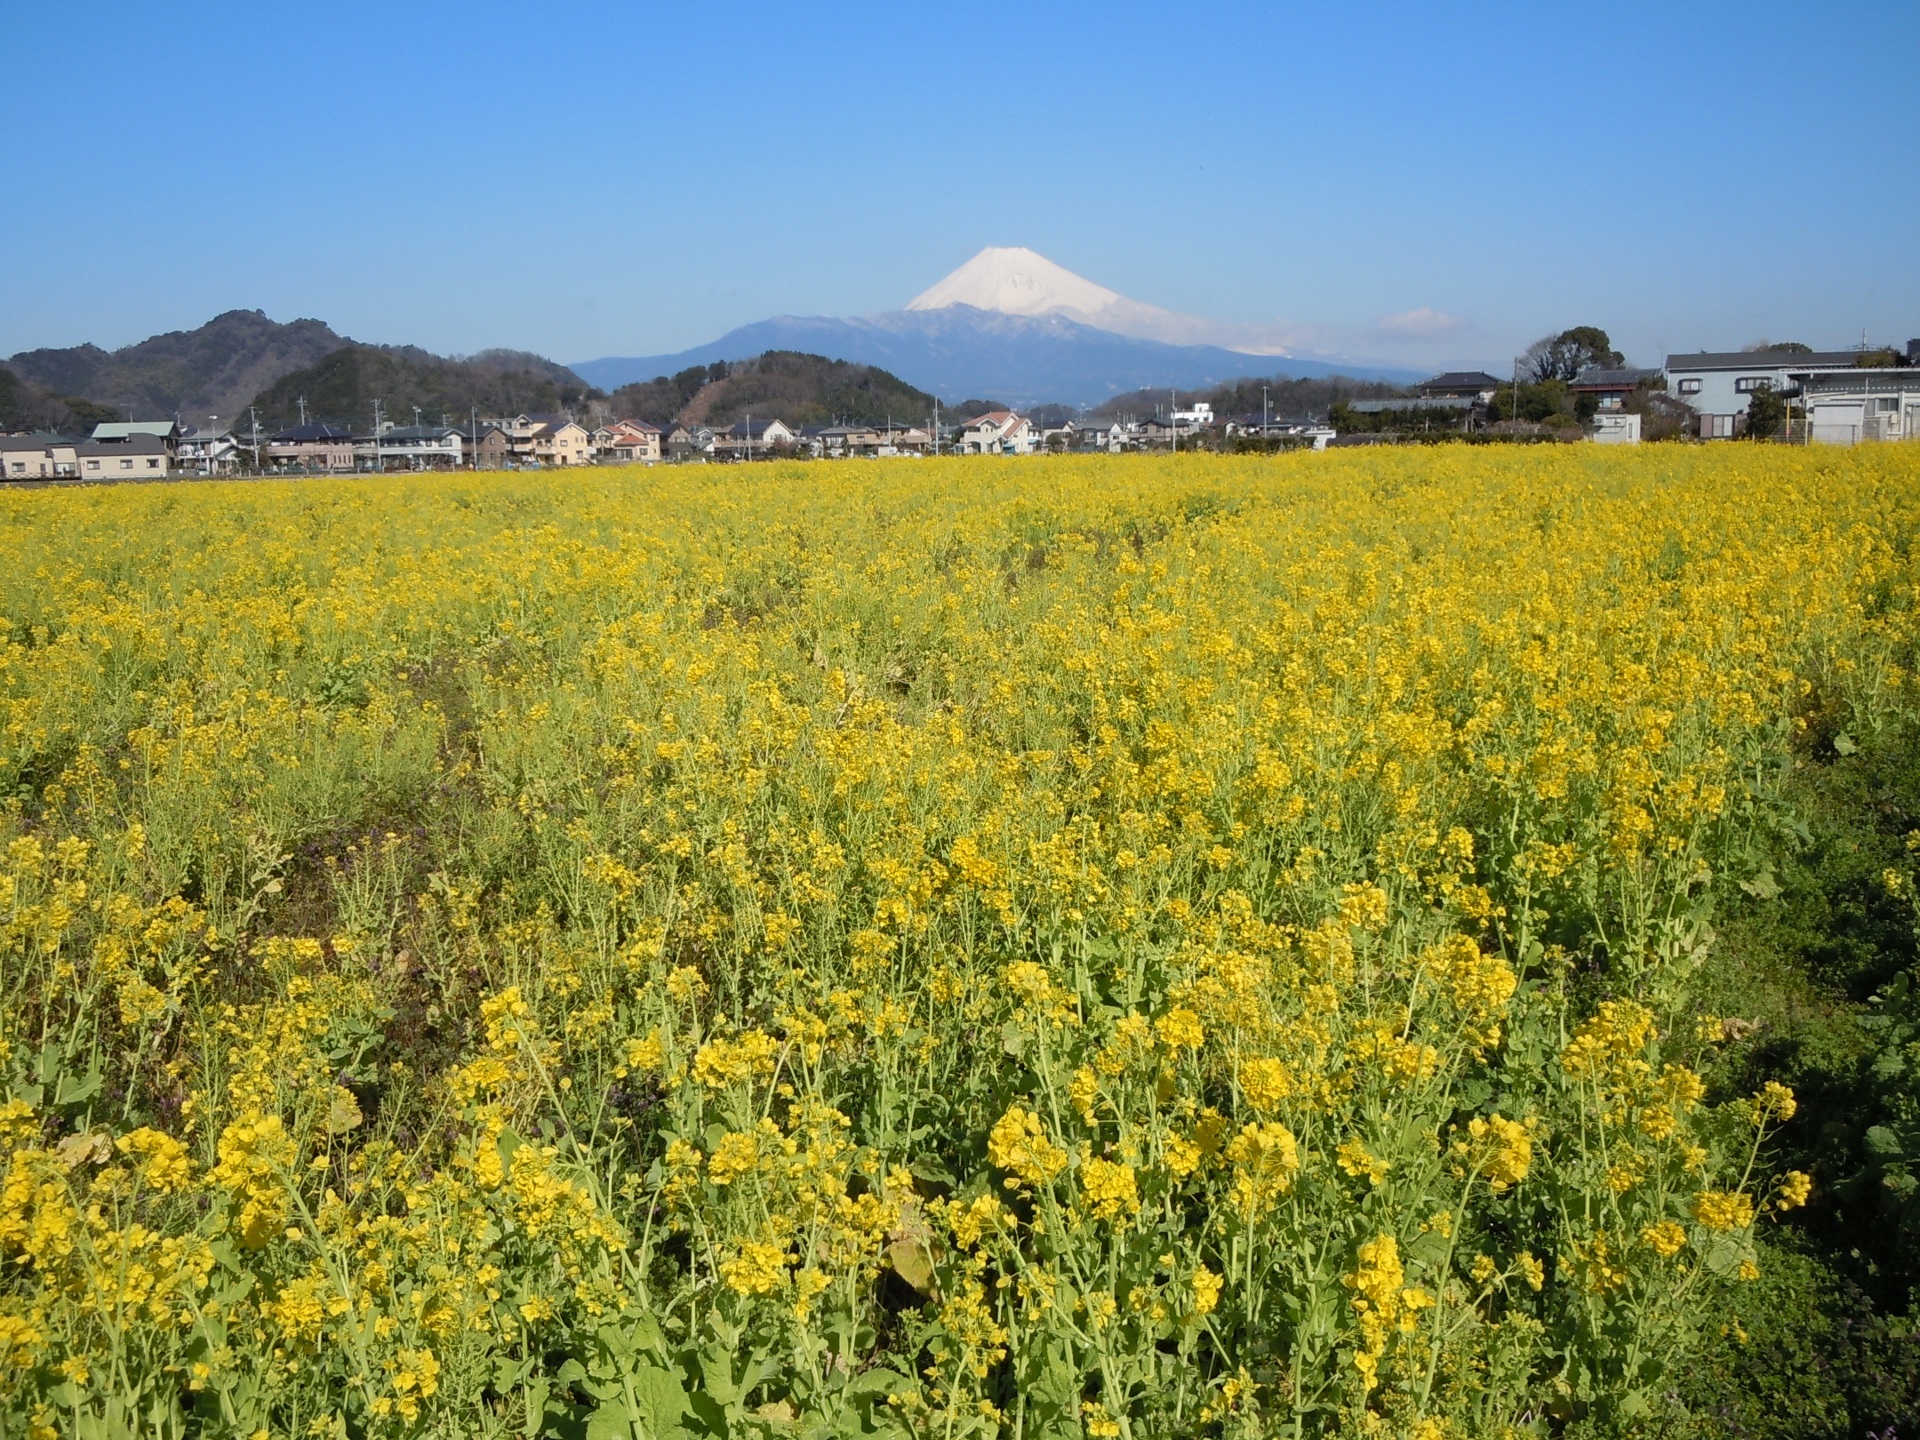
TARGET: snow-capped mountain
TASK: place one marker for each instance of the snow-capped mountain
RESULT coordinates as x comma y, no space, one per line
1013,280
1013,326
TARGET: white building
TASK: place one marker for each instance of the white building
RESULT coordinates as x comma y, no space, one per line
1847,407
1107,435
998,432
1616,427
1718,385
208,450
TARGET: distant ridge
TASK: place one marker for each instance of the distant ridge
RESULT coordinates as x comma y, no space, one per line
213,370
961,350
343,385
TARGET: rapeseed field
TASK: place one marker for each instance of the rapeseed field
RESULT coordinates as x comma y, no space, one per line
1094,947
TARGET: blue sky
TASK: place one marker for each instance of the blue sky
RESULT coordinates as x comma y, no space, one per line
1418,184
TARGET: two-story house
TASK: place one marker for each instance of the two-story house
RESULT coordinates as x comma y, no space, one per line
310,447
419,447
998,432
559,441
1719,384
628,442
135,456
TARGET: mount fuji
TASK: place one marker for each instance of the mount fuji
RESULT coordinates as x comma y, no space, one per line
1011,325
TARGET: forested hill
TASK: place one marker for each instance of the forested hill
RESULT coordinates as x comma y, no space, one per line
781,384
344,386
190,374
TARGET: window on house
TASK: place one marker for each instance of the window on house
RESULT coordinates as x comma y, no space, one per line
153,464
1887,405
1689,387
1748,384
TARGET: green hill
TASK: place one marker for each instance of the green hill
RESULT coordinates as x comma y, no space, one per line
191,374
26,406
344,386
781,384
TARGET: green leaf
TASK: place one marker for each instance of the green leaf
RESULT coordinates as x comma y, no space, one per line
661,1397
1843,744
716,1375
610,1421
1884,1142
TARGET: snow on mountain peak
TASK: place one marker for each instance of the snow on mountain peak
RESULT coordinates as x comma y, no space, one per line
1016,281
1013,280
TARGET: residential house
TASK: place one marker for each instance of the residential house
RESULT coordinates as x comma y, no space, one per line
836,442
42,456
1199,416
680,441
750,437
527,445
904,440
1262,427
1718,384
418,447
560,441
628,442
998,432
1611,387
327,449
207,450
114,432
489,448
1475,385
138,456
1093,435
1846,407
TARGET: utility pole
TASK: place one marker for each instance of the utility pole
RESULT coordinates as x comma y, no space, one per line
936,427
379,464
749,435
303,409
473,434
254,416
1266,413
1173,417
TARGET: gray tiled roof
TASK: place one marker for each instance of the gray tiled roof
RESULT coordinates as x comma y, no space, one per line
1762,360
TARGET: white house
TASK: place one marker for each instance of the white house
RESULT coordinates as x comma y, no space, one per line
1107,435
1616,427
998,432
1200,417
1718,385
1846,407
208,449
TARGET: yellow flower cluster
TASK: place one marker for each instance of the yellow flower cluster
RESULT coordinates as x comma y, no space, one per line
899,948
